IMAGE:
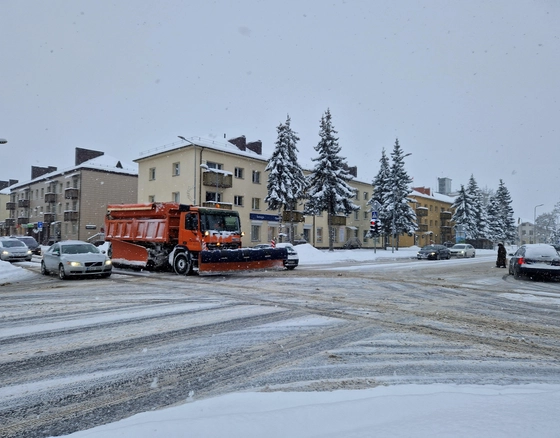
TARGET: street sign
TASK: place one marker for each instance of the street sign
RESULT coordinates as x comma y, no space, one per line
40,225
373,215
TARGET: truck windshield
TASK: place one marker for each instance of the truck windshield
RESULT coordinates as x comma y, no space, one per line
220,222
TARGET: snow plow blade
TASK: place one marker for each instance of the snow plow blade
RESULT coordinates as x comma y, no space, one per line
128,254
247,259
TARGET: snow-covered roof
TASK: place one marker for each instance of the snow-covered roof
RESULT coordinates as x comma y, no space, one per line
436,196
103,162
223,146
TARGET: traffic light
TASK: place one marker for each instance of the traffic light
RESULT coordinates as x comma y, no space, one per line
377,228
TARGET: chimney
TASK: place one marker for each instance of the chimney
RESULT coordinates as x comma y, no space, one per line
37,171
351,170
424,190
4,184
240,142
255,146
83,155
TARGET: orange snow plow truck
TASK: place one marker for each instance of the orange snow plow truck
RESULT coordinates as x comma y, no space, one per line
184,238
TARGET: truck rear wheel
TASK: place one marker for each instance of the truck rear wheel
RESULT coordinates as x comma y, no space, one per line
182,264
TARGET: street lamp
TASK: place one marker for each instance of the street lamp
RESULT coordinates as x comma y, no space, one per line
205,167
535,221
393,225
194,165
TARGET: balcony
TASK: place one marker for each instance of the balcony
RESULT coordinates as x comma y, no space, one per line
10,222
295,216
220,205
445,215
50,198
49,217
71,193
10,206
421,211
71,216
338,221
22,220
215,179
23,203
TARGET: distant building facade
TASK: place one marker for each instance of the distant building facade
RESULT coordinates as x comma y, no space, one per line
69,204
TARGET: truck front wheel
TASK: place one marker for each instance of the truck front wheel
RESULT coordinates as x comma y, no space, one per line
182,264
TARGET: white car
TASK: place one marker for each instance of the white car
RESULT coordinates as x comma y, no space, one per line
293,258
462,250
74,258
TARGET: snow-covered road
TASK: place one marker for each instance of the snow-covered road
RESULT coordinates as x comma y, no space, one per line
76,354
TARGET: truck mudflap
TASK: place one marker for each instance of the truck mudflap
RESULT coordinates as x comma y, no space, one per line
245,259
128,254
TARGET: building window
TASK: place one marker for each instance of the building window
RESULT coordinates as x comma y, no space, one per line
239,172
356,215
256,177
366,215
357,195
176,169
238,200
212,165
256,203
319,235
152,173
176,197
255,233
213,197
365,196
151,198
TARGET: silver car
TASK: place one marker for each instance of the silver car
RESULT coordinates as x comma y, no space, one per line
71,258
14,250
462,250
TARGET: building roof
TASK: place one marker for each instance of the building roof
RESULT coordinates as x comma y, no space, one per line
101,163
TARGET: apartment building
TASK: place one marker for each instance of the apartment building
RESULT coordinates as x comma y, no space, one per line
433,214
71,203
231,174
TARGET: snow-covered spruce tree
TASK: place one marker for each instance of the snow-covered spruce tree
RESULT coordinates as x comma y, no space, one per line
401,215
463,215
501,224
328,188
478,210
286,181
379,194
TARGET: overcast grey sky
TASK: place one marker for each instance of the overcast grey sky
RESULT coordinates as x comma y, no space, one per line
468,87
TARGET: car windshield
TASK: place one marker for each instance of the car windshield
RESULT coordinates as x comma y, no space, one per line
429,247
79,248
459,247
12,244
543,251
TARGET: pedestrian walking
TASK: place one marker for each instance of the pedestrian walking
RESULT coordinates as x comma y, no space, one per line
501,261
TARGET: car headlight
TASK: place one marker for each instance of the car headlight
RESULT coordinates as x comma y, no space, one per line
75,264
29,252
5,252
108,262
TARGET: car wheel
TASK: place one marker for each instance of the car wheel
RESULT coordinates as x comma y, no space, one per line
290,268
182,264
516,273
44,270
61,273
436,257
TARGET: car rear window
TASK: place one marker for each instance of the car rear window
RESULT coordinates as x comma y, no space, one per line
548,251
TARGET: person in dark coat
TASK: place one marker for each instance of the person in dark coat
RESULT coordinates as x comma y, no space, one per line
501,262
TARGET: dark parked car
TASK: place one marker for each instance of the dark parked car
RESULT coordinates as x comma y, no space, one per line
31,243
535,260
434,252
74,258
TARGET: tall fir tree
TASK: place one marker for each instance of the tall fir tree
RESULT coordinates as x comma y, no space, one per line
463,215
328,187
479,229
379,194
401,215
501,224
286,180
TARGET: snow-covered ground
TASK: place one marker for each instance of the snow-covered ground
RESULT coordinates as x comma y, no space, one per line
397,411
